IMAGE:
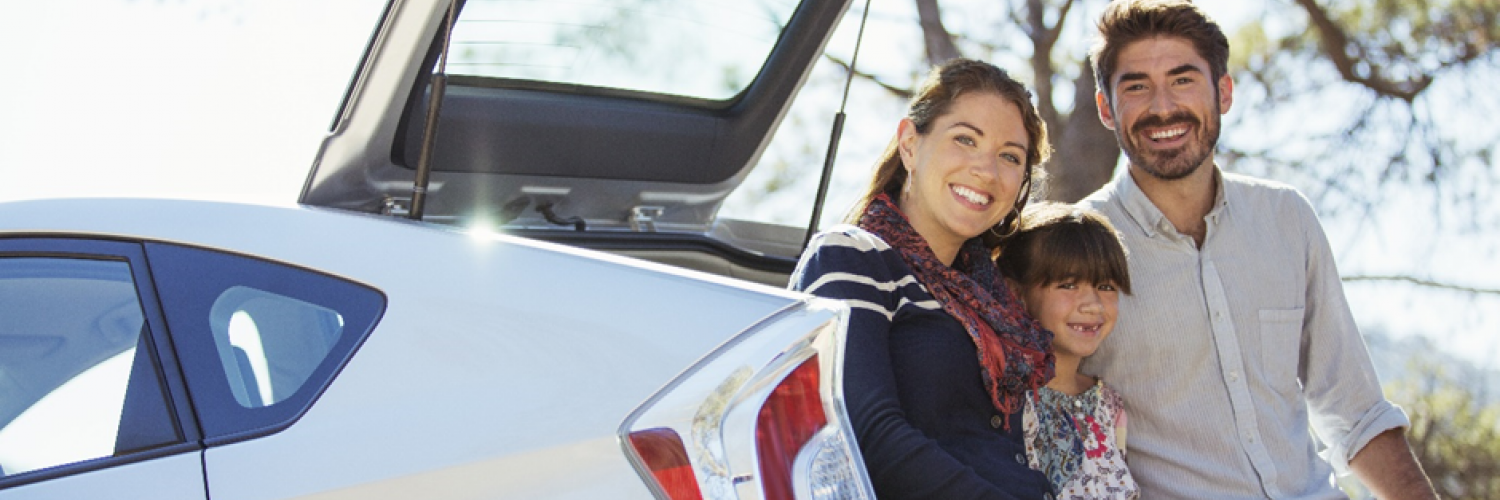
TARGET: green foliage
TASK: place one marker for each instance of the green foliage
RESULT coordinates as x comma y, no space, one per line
1382,95
1455,435
1401,43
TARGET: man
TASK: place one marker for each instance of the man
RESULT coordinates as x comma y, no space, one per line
1238,336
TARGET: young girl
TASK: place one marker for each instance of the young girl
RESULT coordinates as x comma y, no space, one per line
1068,265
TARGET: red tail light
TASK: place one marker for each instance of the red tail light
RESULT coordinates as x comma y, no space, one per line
788,420
760,417
662,450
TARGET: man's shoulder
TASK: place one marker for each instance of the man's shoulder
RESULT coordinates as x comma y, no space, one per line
1107,194
1284,203
1259,188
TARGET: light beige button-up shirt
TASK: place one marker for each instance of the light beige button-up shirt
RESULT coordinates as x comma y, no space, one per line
1224,354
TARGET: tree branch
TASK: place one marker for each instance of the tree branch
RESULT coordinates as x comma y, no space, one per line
935,36
1337,45
1426,283
1042,38
901,92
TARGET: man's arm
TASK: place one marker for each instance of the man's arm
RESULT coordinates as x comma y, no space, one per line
1388,468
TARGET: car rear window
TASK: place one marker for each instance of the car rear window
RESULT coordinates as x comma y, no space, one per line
630,45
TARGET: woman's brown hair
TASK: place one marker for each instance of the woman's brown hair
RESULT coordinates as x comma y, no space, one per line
944,84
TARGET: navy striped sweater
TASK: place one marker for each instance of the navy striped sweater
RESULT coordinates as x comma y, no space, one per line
922,417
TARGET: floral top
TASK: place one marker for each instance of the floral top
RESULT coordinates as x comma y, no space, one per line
1079,443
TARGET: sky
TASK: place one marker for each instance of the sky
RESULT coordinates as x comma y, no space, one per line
214,99
229,100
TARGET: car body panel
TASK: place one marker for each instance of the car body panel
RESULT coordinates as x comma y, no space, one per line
175,477
459,382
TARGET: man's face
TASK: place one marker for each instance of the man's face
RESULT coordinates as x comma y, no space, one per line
1166,107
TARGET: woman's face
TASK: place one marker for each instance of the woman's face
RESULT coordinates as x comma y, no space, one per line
964,173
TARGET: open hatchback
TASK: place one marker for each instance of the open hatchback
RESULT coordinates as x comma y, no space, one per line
613,125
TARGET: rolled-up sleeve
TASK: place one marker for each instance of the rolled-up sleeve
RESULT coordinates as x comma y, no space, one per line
1347,404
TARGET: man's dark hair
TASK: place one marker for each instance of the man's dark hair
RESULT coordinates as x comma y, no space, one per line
1128,21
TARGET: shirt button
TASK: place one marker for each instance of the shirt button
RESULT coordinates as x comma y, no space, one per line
995,422
1047,496
1021,458
1234,376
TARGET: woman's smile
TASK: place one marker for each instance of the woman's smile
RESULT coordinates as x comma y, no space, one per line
965,171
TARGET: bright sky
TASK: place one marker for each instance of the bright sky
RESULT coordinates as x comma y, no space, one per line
229,99
220,99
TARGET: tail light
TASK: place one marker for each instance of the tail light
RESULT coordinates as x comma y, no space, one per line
761,417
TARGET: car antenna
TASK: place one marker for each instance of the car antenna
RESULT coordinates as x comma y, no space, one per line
838,131
429,133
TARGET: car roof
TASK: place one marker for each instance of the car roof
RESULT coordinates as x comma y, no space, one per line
539,150
279,232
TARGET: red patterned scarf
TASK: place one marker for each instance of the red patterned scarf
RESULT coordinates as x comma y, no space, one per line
1015,353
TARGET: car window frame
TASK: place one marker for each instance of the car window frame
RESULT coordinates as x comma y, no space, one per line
162,353
222,419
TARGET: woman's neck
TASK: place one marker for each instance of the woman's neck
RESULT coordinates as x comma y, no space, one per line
942,244
1067,380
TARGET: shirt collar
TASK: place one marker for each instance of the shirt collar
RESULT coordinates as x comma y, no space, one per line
1150,219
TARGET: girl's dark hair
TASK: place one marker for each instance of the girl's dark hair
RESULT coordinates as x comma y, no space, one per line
944,84
1060,242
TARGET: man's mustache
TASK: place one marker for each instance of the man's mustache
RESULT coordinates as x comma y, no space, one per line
1164,121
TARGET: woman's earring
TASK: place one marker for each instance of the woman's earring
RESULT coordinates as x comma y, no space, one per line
1015,217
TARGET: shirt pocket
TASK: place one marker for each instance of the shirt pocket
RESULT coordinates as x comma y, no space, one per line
1281,348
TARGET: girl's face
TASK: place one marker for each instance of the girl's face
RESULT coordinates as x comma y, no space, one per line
1080,314
964,173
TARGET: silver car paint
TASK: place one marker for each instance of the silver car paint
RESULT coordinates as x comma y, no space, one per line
501,369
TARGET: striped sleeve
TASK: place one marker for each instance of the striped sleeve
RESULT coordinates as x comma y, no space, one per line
852,265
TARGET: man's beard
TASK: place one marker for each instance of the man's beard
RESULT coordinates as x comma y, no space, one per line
1176,163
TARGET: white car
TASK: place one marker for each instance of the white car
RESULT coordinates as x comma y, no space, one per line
335,349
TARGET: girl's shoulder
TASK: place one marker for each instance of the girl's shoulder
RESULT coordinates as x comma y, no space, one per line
1109,400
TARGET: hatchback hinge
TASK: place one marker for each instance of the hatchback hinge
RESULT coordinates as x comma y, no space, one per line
398,206
643,218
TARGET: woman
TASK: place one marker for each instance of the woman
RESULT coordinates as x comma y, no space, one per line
940,353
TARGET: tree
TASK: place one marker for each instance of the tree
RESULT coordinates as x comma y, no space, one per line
1356,103
1388,55
1455,435
1402,76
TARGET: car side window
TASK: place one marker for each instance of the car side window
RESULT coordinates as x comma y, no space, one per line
269,344
77,377
258,340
